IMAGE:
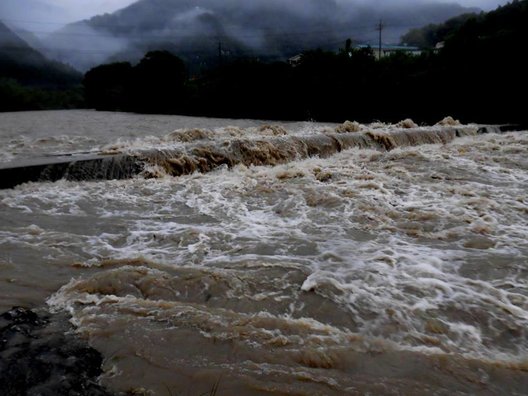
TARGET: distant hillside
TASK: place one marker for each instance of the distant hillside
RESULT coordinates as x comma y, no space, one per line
30,81
432,34
479,76
202,31
27,66
488,51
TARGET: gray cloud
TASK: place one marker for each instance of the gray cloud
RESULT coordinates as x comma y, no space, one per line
193,28
57,12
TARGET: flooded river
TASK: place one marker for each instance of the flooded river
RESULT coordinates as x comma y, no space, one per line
364,272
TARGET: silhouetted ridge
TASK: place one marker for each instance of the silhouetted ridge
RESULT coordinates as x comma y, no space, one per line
267,29
26,65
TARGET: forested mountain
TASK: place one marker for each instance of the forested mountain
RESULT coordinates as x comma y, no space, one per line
479,76
433,34
202,31
29,80
28,66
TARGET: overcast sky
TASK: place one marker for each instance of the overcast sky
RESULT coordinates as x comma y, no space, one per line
87,8
65,11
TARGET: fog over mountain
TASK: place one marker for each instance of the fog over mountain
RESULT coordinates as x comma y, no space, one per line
203,31
67,11
48,15
21,62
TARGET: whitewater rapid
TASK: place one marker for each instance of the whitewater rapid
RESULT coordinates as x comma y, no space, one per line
389,272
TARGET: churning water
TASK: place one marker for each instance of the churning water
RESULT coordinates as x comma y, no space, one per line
350,270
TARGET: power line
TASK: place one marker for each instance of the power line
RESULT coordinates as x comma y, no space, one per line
380,28
220,38
113,25
177,33
172,35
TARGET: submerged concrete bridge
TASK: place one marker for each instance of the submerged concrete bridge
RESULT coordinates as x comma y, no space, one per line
208,155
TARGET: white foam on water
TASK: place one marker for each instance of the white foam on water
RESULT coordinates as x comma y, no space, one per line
424,247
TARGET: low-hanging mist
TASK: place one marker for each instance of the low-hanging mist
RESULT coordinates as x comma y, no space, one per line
202,31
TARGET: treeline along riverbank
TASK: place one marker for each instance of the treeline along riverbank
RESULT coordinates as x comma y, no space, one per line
476,77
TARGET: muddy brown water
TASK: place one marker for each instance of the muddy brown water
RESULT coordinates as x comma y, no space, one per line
366,272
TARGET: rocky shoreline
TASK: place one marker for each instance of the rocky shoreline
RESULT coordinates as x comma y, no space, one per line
38,356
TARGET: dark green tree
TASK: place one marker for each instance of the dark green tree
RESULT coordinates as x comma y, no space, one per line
158,84
106,87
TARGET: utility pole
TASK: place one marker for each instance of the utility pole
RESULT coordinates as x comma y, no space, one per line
379,28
